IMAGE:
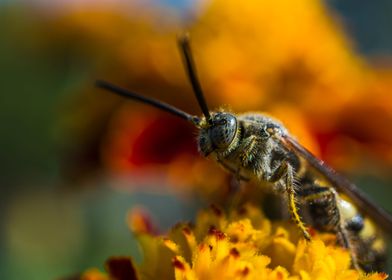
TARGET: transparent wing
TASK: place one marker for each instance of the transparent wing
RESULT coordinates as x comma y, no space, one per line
341,184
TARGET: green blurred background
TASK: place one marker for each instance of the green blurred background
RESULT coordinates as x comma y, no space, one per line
52,226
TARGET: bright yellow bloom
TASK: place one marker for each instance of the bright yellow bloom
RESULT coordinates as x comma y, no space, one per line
242,244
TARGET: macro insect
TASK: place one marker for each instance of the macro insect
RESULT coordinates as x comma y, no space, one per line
254,146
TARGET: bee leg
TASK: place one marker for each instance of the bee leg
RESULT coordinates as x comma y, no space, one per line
345,241
247,154
343,234
323,203
235,194
285,171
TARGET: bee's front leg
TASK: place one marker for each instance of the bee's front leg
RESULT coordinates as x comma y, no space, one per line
286,172
248,150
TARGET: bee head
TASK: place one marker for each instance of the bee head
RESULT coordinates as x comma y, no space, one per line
218,134
217,130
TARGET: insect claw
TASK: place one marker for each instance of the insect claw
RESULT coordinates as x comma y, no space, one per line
307,237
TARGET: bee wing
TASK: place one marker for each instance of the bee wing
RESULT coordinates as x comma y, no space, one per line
341,184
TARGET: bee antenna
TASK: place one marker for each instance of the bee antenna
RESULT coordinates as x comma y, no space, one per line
153,102
183,42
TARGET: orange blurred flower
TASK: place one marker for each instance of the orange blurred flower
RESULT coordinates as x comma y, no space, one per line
289,59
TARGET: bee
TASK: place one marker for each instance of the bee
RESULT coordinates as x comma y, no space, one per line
254,146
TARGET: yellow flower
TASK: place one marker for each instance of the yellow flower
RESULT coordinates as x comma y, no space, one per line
242,244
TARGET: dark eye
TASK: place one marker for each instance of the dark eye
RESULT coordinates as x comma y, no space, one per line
223,131
223,122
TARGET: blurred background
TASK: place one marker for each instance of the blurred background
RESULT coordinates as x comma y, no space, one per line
75,159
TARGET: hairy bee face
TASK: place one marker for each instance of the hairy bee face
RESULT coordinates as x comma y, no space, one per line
219,134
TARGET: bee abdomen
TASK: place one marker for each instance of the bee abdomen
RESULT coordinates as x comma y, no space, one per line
327,212
369,245
320,207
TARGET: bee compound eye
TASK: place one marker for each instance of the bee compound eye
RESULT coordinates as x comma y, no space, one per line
223,133
223,122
